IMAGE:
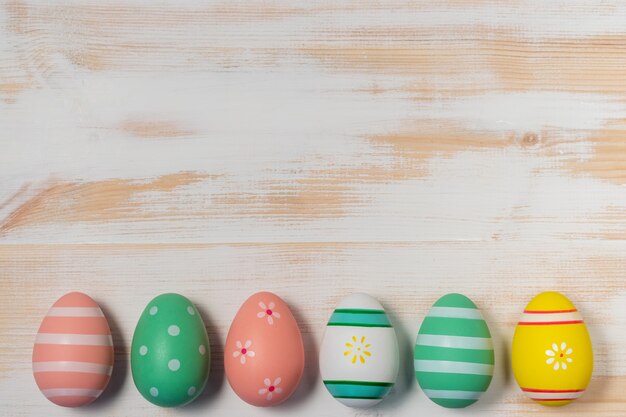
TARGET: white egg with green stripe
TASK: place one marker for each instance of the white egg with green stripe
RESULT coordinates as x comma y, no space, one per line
359,354
453,356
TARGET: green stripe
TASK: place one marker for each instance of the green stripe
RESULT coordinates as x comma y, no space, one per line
368,383
355,389
450,381
377,320
359,311
453,354
358,324
454,327
455,300
358,398
452,403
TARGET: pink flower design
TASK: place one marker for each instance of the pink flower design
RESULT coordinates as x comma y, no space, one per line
270,388
269,312
243,351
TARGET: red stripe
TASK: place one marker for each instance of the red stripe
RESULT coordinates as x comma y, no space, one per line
551,390
75,299
72,401
46,380
537,323
549,311
553,399
75,325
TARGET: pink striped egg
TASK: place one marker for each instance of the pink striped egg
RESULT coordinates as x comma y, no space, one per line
73,352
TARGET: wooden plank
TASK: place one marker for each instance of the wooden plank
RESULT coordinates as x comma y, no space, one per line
402,148
407,278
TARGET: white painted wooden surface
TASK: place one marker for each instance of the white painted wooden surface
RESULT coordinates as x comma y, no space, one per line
404,149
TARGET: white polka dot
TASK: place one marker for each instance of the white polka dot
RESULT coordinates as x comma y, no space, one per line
153,310
143,350
173,330
191,391
190,310
174,365
202,349
154,392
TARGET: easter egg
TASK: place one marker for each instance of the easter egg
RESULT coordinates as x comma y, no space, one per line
453,356
359,353
264,353
73,352
552,356
170,354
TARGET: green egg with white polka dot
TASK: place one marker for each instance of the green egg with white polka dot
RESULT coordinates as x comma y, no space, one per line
170,354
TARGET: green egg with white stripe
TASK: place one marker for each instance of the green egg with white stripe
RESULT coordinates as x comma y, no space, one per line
453,356
359,355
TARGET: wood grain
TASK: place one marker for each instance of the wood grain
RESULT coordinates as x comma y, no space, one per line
404,148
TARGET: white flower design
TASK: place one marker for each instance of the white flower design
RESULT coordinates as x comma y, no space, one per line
243,351
558,356
270,388
269,312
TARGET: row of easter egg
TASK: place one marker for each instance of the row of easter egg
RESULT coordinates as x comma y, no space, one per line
264,354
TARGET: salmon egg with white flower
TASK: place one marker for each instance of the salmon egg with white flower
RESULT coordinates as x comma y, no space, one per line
265,358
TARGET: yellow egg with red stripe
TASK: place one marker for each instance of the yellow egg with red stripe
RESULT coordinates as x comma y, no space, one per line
552,355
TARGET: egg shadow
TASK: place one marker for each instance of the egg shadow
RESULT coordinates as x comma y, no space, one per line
401,391
120,366
502,361
215,381
311,365
599,385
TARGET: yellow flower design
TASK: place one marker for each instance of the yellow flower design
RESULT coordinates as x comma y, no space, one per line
358,349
